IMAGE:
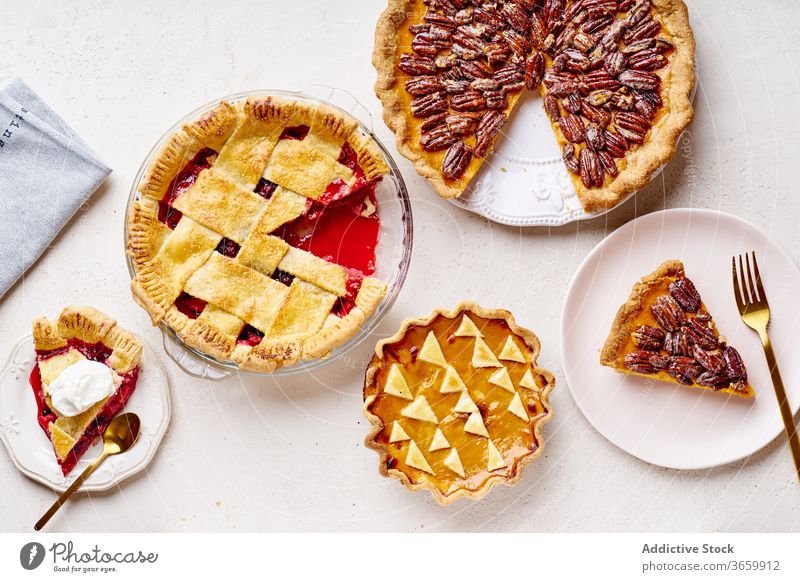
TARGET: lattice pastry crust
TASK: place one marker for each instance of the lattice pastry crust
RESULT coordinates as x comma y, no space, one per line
240,147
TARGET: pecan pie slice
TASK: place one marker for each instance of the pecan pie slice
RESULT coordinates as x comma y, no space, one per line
457,402
664,331
616,78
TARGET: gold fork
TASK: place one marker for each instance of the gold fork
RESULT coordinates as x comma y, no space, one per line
754,309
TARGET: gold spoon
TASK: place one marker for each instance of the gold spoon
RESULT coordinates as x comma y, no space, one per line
120,436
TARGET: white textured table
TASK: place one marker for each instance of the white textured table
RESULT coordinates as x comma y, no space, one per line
249,454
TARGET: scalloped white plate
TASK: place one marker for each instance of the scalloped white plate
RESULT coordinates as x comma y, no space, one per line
523,182
31,450
667,424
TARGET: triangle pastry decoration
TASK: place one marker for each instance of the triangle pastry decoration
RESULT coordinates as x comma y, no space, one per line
496,460
467,328
475,425
452,382
517,408
420,410
453,462
511,351
502,379
416,459
528,381
465,404
398,433
431,351
439,441
396,384
483,357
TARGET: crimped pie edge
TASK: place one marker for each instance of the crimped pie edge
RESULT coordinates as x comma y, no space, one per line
531,340
212,129
641,163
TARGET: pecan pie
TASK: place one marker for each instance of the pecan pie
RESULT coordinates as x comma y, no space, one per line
255,234
616,78
457,402
81,336
664,331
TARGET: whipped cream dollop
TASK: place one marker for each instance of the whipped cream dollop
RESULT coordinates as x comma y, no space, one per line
80,386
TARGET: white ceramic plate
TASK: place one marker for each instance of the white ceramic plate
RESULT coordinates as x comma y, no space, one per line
32,452
666,424
523,182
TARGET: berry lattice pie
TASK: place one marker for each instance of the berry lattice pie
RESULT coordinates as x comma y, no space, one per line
664,331
457,402
254,238
616,78
86,370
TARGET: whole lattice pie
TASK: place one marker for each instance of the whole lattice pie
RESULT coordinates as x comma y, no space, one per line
616,78
457,402
255,234
664,331
78,336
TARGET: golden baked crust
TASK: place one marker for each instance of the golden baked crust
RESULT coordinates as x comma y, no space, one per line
635,312
89,325
219,206
518,432
639,165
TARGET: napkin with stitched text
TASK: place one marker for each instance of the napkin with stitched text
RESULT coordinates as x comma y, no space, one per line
46,173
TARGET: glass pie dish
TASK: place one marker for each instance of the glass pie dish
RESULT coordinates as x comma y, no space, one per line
394,237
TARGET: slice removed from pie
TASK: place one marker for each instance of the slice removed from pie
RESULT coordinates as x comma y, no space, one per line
70,412
664,331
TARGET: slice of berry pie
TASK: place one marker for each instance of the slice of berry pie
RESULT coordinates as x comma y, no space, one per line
664,331
86,370
616,77
255,235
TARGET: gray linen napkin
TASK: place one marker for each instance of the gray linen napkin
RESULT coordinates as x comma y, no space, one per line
46,173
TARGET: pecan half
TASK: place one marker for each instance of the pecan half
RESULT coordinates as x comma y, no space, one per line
456,160
639,80
683,369
710,360
685,293
668,313
615,144
551,107
639,361
595,137
701,334
428,105
570,159
677,344
572,127
648,337
615,63
607,162
438,138
734,365
425,85
416,65
468,101
596,115
591,171
461,124
713,379
534,71
573,103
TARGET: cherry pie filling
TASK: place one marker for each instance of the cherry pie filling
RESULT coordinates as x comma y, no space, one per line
45,415
341,227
